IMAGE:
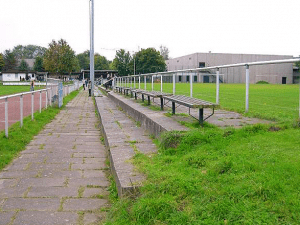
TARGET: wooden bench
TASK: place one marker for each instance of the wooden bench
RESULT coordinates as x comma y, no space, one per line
153,94
191,103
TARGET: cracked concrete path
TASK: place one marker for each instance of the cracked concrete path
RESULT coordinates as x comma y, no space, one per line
60,177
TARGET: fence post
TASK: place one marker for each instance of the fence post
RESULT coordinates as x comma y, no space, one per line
161,83
21,110
134,82
218,86
6,117
247,88
130,82
32,105
145,81
191,85
174,81
40,101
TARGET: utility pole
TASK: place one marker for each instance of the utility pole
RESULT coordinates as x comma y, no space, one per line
92,71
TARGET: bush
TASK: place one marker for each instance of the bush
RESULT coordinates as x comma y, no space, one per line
262,82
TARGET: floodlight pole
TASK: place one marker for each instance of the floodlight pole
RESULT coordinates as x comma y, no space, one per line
92,71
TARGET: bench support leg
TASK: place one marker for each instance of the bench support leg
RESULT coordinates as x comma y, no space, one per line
201,116
135,96
173,107
149,100
143,97
161,103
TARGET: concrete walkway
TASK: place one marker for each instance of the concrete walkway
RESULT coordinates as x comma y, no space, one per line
60,177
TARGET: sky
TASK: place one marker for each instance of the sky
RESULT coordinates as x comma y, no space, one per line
183,26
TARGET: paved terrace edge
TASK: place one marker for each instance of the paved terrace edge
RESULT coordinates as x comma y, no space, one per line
153,121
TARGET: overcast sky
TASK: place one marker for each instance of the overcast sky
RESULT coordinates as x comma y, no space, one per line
184,26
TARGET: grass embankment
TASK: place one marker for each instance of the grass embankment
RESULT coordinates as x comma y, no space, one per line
10,90
216,176
223,176
275,102
18,137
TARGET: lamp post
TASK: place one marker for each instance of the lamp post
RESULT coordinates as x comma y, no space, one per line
92,71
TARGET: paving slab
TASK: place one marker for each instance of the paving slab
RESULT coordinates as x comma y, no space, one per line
45,218
83,204
41,204
6,217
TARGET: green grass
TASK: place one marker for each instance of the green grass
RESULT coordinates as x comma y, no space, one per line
18,137
274,102
215,176
9,90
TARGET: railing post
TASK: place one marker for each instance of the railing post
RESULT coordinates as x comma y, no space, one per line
50,102
191,85
134,82
40,101
145,81
32,105
6,117
161,83
152,82
130,82
247,88
46,99
21,110
174,81
217,86
139,81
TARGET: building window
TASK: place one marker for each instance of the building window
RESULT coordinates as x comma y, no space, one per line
32,75
179,78
187,78
201,64
195,79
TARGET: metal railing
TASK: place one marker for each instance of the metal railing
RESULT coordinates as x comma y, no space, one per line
127,80
14,108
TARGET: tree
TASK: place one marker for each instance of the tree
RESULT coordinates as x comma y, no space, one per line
10,61
164,51
101,63
23,66
84,60
60,58
122,63
28,51
149,61
1,62
38,64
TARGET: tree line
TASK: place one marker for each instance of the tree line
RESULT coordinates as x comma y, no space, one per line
60,58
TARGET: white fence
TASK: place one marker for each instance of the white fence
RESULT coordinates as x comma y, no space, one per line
14,108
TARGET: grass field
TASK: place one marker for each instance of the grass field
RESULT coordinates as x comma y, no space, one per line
267,101
9,90
222,176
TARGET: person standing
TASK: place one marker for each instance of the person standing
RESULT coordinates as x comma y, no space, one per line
83,84
90,88
32,85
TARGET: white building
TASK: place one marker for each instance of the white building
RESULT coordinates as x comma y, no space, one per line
15,75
